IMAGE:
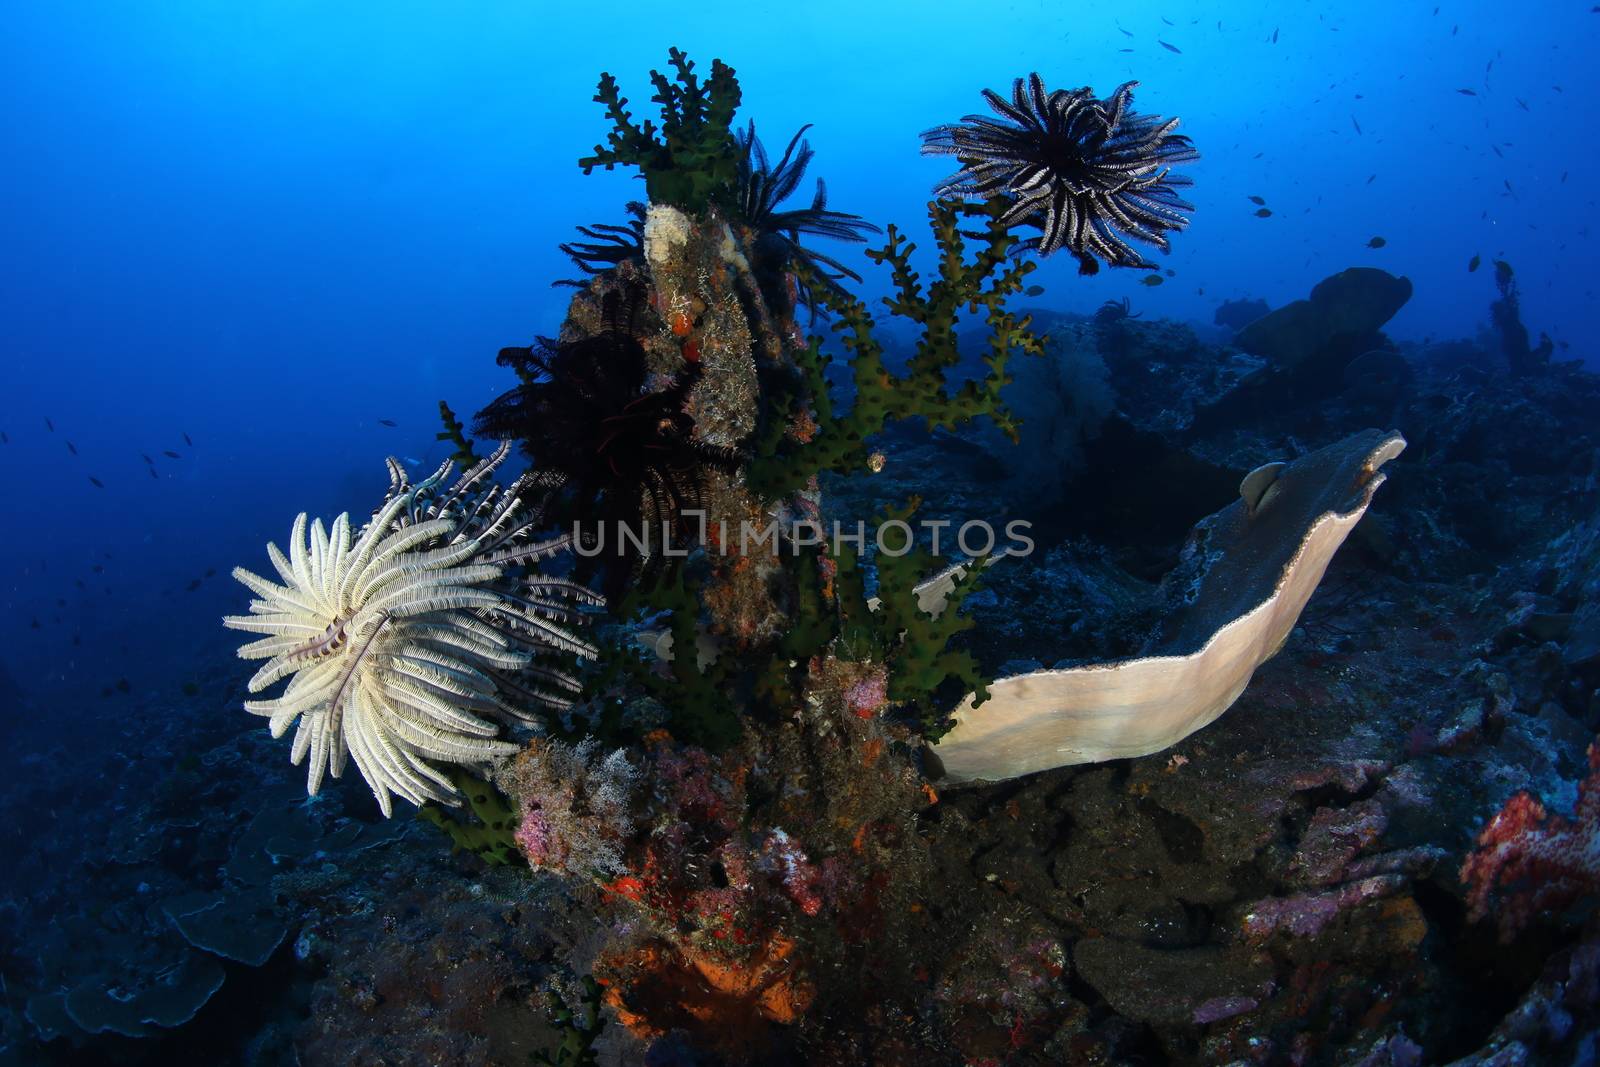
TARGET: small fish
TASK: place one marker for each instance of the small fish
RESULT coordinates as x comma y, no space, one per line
1152,279
1257,200
98,484
1473,263
1356,124
1496,150
1376,242
387,422
1510,190
1274,35
1033,290
1467,92
1372,179
153,473
4,440
72,448
147,459
1169,47
187,441
1168,21
1263,212
99,568
1125,33
1523,104
49,425
170,454
124,686
1124,49
193,585
211,572
1171,273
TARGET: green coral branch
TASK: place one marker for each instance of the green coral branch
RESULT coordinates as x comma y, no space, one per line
701,712
839,443
456,433
914,643
695,160
488,832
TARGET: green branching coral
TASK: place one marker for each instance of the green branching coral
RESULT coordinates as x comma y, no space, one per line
489,832
456,433
839,443
912,641
697,698
696,157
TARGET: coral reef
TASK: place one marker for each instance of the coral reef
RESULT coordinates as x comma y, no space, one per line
722,839
1506,315
1529,861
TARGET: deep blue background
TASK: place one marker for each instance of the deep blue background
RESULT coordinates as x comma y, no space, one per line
270,225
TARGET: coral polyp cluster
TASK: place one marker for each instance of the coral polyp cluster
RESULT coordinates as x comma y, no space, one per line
413,638
1087,173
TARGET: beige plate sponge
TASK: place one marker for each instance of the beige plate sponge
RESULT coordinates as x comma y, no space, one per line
1248,572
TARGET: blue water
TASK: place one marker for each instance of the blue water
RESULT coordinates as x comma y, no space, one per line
269,226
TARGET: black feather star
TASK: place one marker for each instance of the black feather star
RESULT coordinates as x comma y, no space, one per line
1088,173
762,187
609,245
624,453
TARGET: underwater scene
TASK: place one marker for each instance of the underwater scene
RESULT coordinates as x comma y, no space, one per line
911,535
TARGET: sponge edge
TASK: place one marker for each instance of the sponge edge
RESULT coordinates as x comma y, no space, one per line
1255,563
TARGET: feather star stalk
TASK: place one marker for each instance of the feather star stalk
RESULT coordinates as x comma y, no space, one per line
416,637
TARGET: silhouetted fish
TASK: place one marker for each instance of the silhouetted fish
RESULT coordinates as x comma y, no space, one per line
1372,179
1033,290
1125,33
72,448
1376,242
1263,213
1472,265
1274,35
147,459
1257,200
193,585
1170,47
49,425
1356,124
4,440
1152,279
1467,92
153,473
170,454
387,422
98,484
187,441
1124,49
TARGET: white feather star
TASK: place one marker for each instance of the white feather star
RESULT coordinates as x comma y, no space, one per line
406,641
